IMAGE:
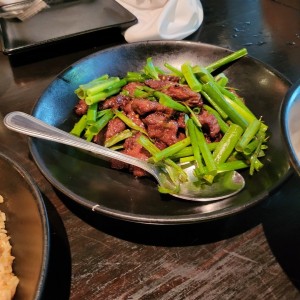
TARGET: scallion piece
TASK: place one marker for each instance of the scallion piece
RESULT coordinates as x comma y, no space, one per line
227,144
118,137
169,151
129,122
169,102
248,135
96,127
213,92
150,69
190,77
174,70
92,113
223,125
227,59
80,126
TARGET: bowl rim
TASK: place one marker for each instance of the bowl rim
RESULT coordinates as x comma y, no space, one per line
286,107
132,217
44,218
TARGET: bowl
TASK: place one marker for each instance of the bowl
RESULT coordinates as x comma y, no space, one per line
92,183
290,112
27,225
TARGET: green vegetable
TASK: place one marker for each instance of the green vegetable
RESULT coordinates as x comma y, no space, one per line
96,127
120,136
248,135
226,60
92,113
199,168
150,69
169,102
82,89
79,127
213,103
173,70
175,171
206,153
190,77
113,89
169,151
188,151
212,90
223,125
221,79
129,122
101,86
227,144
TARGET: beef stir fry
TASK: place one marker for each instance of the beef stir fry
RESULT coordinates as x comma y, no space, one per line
150,113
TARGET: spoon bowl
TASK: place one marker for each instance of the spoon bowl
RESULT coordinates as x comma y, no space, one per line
225,184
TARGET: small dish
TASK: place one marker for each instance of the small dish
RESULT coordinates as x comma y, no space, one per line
290,112
27,225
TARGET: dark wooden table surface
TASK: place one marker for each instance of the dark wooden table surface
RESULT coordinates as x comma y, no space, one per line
252,255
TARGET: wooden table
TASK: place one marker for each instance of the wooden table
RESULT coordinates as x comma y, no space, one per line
252,255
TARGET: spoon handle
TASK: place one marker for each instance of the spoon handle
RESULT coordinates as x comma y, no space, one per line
31,126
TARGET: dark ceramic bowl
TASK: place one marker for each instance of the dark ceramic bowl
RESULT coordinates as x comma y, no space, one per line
27,225
290,113
92,183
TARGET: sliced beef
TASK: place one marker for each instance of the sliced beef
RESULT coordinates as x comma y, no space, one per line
176,91
210,125
144,106
116,102
172,78
161,127
114,126
159,84
131,114
185,94
99,138
133,148
81,107
181,120
131,87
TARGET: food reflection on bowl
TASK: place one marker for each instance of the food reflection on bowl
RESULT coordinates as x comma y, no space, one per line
290,112
28,228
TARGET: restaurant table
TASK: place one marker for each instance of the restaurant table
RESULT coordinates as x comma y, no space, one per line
254,254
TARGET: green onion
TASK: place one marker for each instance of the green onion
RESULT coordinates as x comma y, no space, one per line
169,151
227,144
212,90
96,127
150,69
248,135
120,136
223,125
129,122
173,70
92,113
169,102
113,89
227,59
79,127
199,169
190,77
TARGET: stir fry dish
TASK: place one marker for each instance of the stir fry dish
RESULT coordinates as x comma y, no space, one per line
171,116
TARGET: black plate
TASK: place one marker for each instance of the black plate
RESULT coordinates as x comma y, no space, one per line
290,112
64,19
27,225
92,183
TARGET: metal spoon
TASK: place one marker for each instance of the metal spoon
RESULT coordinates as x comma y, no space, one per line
226,185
